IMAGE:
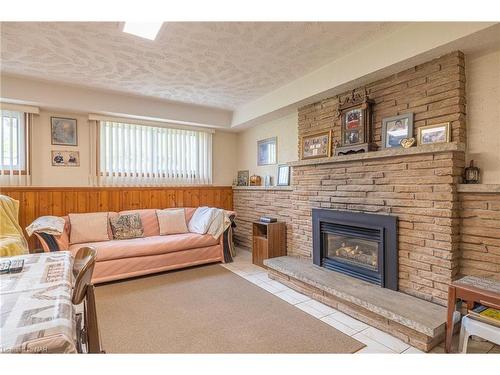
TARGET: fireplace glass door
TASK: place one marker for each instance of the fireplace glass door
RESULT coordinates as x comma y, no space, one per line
357,252
357,244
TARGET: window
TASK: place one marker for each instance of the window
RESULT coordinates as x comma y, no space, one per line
12,142
148,155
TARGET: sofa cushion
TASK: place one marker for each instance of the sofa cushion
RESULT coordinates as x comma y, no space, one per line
116,249
189,213
201,220
172,221
89,227
127,226
148,219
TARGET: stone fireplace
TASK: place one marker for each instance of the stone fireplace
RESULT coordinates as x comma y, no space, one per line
417,185
357,244
438,228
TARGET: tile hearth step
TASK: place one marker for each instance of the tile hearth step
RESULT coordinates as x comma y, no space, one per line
419,323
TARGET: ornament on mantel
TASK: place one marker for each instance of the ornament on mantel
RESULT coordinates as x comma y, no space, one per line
255,180
407,142
471,174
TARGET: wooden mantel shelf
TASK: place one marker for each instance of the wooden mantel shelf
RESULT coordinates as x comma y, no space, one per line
386,153
265,188
478,188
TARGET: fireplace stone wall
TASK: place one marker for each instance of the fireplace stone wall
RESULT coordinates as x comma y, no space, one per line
480,233
420,187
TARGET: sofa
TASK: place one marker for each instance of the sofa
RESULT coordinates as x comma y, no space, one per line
120,259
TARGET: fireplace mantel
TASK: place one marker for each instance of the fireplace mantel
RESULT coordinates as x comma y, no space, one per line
386,153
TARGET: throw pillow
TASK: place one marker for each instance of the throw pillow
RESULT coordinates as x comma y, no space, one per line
91,227
172,221
201,220
127,226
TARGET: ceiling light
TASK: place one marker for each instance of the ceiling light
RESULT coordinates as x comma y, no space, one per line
147,30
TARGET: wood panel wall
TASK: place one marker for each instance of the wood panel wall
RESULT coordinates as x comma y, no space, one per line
60,201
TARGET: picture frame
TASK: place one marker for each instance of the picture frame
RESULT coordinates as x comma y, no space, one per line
266,151
62,158
437,133
316,145
355,114
63,131
243,178
395,129
283,175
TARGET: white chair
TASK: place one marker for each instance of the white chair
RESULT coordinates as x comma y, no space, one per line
475,327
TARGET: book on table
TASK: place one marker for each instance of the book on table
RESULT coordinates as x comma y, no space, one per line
486,314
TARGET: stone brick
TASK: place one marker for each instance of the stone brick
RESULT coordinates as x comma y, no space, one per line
480,234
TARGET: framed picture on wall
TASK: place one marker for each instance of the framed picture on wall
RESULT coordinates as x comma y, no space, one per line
395,129
65,158
63,131
266,151
243,178
439,133
317,145
283,175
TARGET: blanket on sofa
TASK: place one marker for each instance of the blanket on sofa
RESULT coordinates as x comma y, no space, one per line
209,220
12,241
47,224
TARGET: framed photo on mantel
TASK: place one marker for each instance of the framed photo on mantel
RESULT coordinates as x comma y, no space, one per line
395,129
243,178
355,113
438,133
317,145
283,175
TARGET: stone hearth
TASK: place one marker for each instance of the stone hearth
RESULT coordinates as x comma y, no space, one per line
413,320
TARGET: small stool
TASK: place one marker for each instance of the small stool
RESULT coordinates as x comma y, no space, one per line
475,327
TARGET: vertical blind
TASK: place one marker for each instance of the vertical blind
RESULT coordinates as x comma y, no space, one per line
13,146
131,154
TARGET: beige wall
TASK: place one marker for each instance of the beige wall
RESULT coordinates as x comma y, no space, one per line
285,128
42,171
483,113
224,157
44,174
69,98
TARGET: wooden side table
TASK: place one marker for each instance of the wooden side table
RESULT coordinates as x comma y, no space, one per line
470,289
269,241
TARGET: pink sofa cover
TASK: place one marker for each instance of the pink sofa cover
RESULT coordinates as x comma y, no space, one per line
116,249
118,259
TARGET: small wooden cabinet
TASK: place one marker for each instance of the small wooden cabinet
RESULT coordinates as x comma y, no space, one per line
269,241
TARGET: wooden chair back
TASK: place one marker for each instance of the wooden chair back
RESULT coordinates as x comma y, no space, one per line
83,267
92,328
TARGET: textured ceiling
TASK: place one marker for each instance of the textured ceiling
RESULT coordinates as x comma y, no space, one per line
215,63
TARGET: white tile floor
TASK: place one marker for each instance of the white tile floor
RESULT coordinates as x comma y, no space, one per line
375,340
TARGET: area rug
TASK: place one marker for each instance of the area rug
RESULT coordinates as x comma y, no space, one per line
208,309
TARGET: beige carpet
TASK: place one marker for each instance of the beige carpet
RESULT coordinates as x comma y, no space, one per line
208,309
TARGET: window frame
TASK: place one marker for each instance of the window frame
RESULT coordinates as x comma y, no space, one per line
23,152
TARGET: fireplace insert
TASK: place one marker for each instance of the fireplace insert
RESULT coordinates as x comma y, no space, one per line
357,244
